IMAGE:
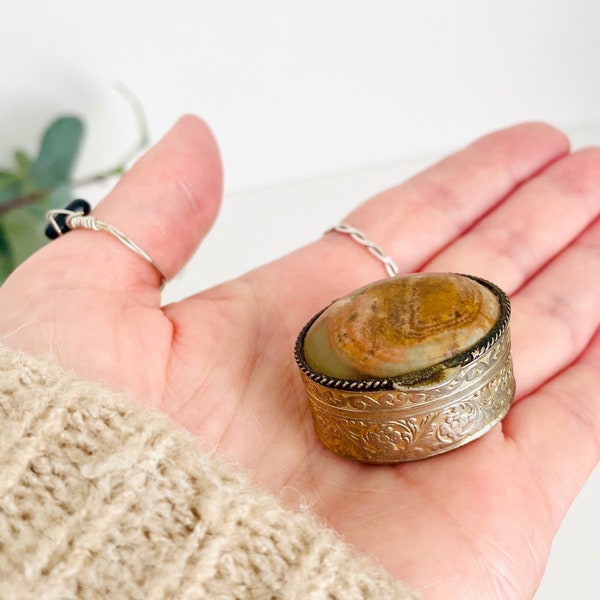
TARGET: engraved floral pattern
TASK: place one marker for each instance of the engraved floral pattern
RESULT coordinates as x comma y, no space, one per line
393,436
454,425
380,428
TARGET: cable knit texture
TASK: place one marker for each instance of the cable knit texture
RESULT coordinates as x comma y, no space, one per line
100,498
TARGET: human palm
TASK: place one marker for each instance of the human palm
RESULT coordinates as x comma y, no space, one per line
515,208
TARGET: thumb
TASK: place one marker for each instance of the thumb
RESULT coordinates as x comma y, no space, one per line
166,204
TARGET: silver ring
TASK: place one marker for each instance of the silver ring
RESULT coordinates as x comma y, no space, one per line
64,220
358,236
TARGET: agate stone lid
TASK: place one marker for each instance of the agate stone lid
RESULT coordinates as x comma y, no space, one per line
403,329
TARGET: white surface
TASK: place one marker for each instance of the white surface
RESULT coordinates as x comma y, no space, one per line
572,571
298,90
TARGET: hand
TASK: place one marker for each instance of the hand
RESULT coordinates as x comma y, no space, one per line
514,207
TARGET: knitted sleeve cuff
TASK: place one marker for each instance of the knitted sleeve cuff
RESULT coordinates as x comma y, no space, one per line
104,499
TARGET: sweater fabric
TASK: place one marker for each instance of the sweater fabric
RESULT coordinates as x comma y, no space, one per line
103,499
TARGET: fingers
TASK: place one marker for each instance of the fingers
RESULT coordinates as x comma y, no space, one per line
536,231
531,226
166,204
557,429
415,221
557,312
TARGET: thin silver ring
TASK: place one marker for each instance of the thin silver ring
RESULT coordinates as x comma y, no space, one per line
358,236
77,220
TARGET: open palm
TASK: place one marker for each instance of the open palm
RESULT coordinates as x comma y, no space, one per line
514,207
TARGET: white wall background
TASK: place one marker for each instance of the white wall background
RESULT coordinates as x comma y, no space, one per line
316,104
298,88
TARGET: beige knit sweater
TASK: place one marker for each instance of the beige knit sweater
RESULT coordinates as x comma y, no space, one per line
100,498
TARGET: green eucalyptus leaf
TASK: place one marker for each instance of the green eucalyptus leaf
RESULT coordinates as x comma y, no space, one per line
23,162
23,232
11,189
39,208
6,261
60,196
6,178
59,150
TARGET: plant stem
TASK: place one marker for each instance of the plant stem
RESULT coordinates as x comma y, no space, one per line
33,197
21,201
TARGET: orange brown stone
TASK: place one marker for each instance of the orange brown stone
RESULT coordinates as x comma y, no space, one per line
400,325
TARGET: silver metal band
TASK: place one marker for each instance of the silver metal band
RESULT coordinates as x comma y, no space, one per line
77,220
410,423
358,236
